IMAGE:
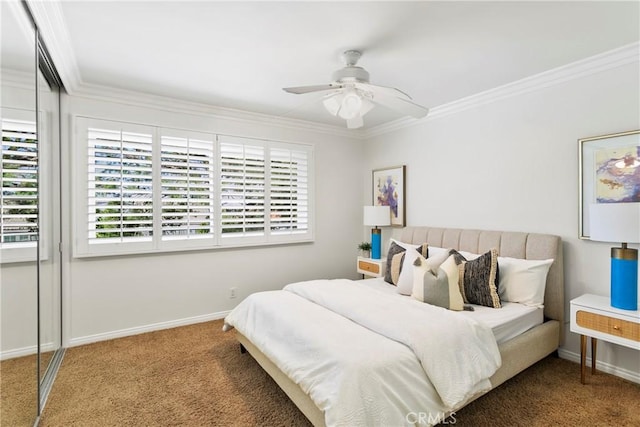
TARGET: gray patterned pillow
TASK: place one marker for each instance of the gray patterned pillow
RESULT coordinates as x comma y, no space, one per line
478,279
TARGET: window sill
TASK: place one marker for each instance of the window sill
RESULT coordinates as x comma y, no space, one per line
212,248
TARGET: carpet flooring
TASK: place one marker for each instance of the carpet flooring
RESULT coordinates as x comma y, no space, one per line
18,391
196,376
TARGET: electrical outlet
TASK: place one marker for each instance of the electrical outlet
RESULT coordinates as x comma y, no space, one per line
232,292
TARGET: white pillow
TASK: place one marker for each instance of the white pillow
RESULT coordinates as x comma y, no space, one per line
523,280
405,281
468,255
436,251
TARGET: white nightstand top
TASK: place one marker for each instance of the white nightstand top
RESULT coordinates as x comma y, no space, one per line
603,303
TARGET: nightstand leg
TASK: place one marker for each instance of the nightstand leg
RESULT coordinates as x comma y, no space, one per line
594,345
583,357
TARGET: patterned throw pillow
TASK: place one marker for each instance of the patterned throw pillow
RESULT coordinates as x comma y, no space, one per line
395,259
479,279
439,285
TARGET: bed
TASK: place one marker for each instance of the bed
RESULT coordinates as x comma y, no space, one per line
518,348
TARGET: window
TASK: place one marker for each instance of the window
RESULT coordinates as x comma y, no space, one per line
187,179
242,188
151,189
120,186
19,197
289,195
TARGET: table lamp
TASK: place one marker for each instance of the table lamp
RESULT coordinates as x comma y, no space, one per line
377,216
619,222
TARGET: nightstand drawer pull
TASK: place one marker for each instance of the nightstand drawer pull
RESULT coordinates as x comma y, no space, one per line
367,266
608,325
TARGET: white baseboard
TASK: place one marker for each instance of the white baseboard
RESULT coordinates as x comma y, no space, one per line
26,351
18,352
602,366
146,328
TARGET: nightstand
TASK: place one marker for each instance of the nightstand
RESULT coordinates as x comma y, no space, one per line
592,316
371,267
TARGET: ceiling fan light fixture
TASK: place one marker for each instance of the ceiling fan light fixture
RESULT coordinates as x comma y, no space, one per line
332,103
351,105
350,95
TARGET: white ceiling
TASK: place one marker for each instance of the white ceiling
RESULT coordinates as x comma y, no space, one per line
241,54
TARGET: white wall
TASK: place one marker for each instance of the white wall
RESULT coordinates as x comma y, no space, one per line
113,296
513,165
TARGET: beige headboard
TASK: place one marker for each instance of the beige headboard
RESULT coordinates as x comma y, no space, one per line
509,244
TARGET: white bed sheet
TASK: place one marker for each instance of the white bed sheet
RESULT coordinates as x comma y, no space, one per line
379,389
507,322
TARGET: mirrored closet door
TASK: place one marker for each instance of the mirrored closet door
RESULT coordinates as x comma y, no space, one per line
49,260
30,268
19,220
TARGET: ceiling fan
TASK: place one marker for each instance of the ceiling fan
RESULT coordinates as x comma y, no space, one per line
351,96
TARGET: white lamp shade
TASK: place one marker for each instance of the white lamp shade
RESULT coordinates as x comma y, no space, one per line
377,215
350,105
615,222
347,104
332,103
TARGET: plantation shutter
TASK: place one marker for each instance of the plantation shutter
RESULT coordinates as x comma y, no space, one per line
187,167
146,189
120,185
289,195
242,187
19,198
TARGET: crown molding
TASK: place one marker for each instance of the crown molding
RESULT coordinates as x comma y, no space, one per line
53,28
615,58
145,100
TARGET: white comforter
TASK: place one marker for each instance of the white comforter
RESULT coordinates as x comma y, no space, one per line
366,357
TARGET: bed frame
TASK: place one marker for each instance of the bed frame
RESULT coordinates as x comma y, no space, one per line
518,353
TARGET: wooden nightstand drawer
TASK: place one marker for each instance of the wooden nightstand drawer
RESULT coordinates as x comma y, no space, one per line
608,325
371,267
368,266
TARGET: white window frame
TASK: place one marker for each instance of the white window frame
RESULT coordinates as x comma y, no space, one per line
81,247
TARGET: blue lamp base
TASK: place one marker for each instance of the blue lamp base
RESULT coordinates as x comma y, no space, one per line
376,243
624,278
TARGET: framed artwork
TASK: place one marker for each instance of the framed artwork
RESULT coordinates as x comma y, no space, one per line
609,172
388,190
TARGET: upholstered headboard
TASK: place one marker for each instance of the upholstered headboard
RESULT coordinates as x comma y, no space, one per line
509,244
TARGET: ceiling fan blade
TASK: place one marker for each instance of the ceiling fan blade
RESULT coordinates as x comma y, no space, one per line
400,105
389,91
307,89
355,123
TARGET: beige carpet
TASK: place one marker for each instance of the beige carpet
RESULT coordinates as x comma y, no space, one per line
196,376
18,392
